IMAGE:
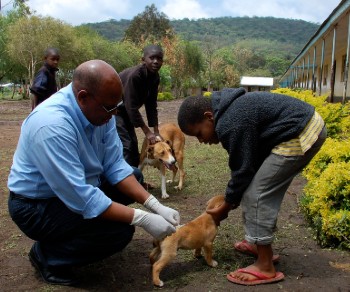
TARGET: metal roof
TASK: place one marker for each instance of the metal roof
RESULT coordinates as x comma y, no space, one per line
257,81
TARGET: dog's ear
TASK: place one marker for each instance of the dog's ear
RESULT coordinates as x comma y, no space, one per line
150,149
171,146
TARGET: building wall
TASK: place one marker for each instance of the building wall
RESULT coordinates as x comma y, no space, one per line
325,51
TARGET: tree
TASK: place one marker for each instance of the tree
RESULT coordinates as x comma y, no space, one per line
8,68
22,7
149,26
209,48
30,36
185,61
276,66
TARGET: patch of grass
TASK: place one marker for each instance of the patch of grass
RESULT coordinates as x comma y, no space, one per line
206,168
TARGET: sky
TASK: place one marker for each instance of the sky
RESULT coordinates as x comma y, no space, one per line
89,11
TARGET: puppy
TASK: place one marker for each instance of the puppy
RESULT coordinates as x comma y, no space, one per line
164,155
196,234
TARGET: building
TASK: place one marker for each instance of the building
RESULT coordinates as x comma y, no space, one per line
323,64
257,83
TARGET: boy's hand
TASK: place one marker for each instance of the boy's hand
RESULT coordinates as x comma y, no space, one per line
151,137
220,213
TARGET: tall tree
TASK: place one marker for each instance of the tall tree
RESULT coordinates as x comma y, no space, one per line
9,68
185,61
30,36
150,26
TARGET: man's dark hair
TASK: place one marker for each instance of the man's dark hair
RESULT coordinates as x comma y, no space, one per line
192,111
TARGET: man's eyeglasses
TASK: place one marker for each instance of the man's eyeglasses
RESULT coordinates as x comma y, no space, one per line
109,109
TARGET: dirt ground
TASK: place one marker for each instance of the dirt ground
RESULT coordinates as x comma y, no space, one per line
307,267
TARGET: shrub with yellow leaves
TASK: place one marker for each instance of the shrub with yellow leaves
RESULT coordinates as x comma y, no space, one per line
326,198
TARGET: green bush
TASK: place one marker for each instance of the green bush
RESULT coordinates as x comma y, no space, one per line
326,198
162,96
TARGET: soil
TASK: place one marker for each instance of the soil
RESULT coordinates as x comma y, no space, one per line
307,266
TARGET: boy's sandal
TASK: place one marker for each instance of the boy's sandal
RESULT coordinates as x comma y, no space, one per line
244,247
259,278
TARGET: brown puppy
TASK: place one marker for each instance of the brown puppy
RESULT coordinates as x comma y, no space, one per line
164,154
196,234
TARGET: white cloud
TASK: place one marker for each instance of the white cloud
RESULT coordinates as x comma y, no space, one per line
311,10
82,12
77,12
179,9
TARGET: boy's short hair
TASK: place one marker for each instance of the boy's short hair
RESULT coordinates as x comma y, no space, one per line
192,111
150,48
51,51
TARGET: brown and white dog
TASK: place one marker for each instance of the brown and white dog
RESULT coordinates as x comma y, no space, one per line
165,154
196,234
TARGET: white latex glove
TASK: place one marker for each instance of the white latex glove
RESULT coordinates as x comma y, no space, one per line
154,224
167,213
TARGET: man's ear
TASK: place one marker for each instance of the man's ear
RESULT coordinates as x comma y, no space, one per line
82,96
209,115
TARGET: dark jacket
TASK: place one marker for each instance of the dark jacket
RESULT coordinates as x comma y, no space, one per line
250,125
44,84
140,88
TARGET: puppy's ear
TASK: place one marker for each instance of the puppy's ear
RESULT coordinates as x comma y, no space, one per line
215,202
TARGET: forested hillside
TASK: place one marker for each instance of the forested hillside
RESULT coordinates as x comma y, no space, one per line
285,36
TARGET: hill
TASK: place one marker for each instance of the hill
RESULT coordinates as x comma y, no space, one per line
287,36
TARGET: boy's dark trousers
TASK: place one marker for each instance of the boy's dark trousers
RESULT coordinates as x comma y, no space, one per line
127,134
64,238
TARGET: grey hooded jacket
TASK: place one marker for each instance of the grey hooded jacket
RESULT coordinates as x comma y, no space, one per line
250,125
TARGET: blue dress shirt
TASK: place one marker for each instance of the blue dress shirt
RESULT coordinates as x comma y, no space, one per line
61,154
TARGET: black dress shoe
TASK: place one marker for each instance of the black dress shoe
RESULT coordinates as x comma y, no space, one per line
52,275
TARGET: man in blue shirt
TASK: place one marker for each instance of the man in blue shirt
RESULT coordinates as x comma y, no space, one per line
69,183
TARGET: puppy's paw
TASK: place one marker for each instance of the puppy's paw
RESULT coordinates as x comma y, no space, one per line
159,283
178,188
165,196
169,181
214,264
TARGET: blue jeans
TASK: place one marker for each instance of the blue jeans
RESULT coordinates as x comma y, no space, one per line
65,238
262,200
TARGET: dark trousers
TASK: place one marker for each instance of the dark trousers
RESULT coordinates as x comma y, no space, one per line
65,238
127,134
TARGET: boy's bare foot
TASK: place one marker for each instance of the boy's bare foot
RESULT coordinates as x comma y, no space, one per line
251,249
